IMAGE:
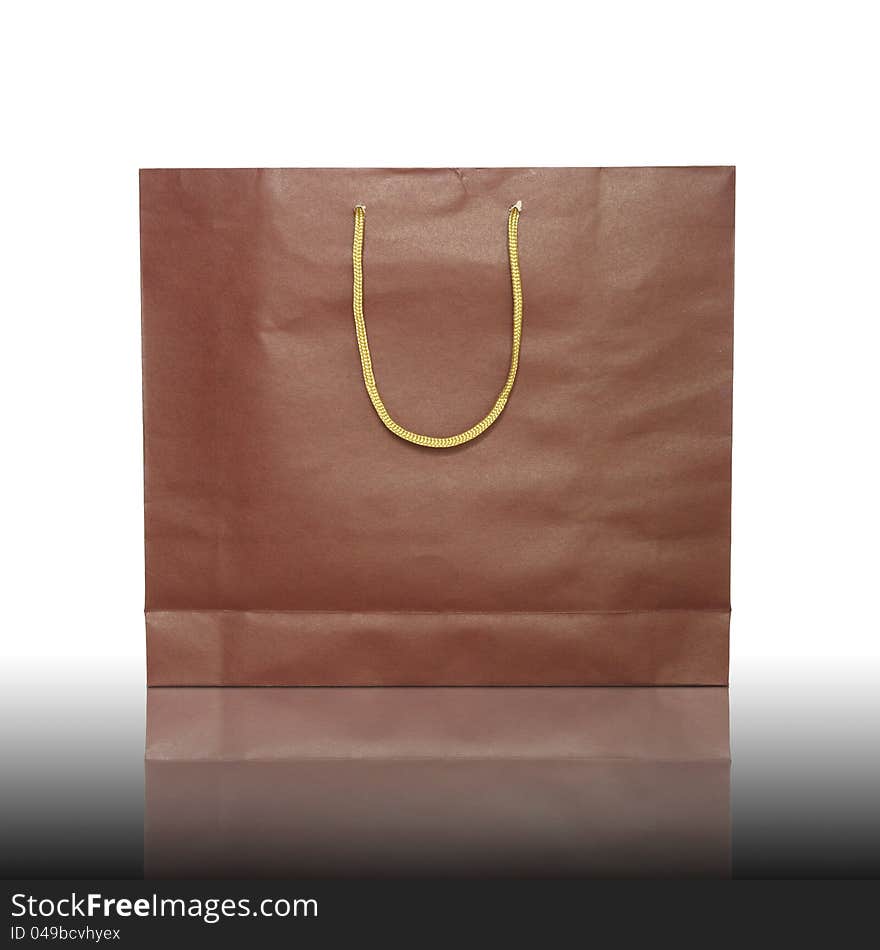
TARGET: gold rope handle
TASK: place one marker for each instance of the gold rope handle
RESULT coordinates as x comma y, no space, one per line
435,442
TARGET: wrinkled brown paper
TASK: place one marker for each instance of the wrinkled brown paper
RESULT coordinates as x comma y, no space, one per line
583,539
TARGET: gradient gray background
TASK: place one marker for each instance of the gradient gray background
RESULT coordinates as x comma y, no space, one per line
805,781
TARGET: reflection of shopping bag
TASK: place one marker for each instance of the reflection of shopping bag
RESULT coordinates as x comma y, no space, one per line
287,783
302,530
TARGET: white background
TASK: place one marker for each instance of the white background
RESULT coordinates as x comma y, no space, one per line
785,91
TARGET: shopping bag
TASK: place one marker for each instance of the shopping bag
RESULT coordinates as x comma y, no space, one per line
437,426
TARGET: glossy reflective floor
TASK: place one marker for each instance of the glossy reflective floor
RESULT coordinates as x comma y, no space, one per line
455,782
428,782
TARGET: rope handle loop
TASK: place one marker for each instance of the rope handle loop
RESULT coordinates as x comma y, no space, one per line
430,441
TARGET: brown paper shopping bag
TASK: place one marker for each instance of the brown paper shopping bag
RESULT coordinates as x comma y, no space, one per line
437,426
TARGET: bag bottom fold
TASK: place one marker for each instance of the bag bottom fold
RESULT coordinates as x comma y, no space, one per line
662,647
